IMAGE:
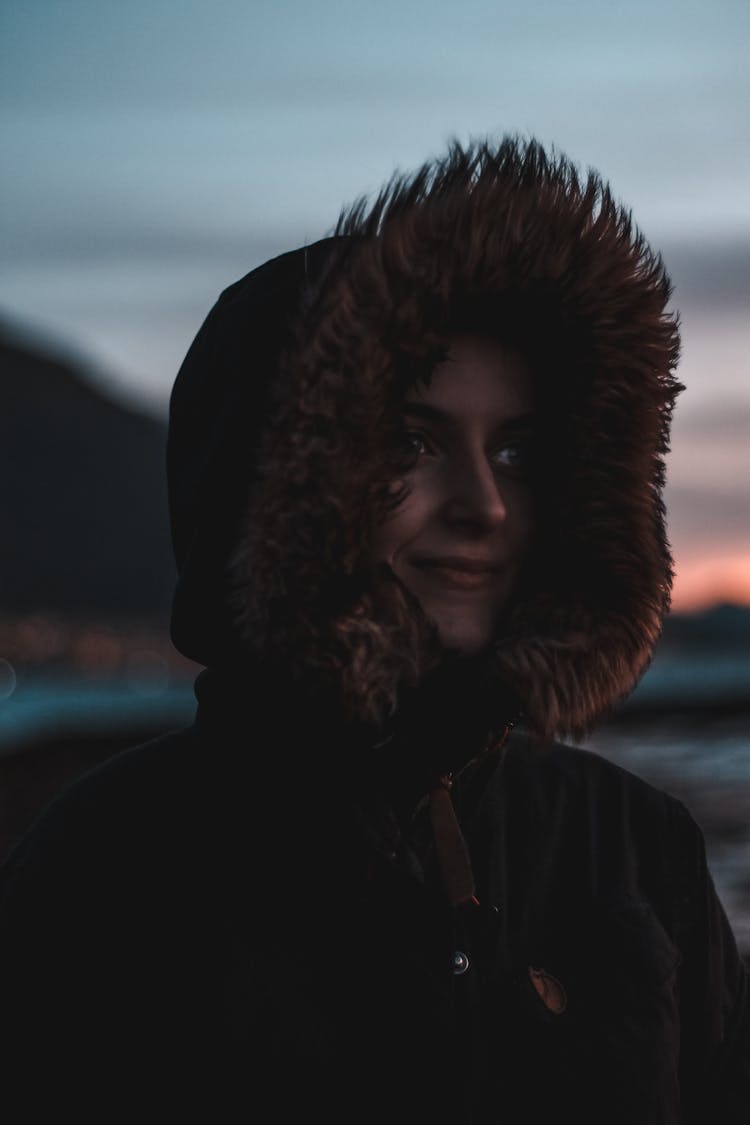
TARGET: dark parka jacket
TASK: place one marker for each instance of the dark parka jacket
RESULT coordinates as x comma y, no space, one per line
281,912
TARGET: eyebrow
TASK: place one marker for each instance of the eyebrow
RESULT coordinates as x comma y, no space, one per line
432,413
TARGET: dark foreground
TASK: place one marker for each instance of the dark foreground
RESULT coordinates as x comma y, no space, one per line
701,757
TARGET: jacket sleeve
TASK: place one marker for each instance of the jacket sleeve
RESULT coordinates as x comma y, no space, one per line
715,998
82,954
50,942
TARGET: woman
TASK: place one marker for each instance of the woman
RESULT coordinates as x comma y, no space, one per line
416,477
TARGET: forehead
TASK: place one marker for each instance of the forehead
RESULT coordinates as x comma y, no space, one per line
478,377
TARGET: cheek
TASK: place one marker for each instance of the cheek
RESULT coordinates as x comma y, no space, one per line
521,510
387,538
397,529
520,529
527,525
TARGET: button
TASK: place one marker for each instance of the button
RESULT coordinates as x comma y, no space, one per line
460,963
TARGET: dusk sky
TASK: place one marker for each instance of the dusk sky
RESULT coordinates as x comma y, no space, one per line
154,152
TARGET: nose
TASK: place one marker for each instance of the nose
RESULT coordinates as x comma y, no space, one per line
473,495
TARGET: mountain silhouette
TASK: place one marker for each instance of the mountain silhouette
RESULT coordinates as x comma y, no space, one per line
82,493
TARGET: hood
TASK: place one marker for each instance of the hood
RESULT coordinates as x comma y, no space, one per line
281,421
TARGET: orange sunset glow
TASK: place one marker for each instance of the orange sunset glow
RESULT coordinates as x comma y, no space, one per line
703,581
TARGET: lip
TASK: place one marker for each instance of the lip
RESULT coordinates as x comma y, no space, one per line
459,571
456,562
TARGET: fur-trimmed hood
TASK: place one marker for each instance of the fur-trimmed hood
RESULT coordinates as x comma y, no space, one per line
280,426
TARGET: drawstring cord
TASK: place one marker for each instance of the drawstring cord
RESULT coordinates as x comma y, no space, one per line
452,852
450,845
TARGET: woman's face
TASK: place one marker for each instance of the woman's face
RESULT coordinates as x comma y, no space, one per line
459,538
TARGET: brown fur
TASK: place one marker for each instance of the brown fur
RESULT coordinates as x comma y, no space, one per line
513,242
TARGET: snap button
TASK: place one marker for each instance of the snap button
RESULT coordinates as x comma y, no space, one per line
460,963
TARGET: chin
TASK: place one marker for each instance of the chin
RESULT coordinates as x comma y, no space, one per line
465,642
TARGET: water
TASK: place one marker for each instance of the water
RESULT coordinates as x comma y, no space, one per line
44,707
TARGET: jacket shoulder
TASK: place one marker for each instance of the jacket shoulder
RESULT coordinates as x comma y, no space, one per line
116,808
578,770
575,798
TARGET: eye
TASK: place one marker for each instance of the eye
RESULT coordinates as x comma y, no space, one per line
416,441
513,455
416,444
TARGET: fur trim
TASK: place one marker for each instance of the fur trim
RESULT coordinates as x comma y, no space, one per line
513,242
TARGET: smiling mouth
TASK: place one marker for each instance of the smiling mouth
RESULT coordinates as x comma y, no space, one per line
461,573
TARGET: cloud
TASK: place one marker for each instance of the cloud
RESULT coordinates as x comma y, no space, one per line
726,421
710,517
710,274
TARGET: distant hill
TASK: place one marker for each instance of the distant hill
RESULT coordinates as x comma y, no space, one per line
721,627
82,494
